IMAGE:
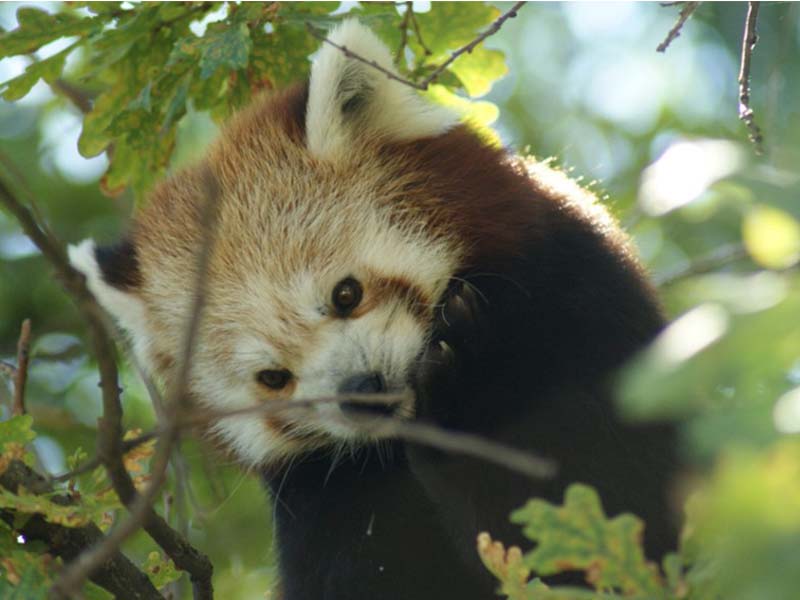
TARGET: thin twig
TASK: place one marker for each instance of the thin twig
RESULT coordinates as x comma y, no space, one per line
109,445
683,16
141,506
719,257
93,463
425,83
749,40
404,31
418,34
524,462
21,376
349,54
493,28
80,99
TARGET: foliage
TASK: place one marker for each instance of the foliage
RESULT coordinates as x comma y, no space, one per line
578,537
149,65
584,84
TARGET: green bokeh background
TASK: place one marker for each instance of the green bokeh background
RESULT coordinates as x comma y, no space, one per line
587,87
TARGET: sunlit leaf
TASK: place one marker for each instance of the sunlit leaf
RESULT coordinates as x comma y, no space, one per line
772,237
48,69
38,27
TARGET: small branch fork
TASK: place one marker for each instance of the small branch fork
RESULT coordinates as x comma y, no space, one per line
422,85
683,16
749,40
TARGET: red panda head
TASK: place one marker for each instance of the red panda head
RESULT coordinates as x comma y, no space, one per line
345,207
326,264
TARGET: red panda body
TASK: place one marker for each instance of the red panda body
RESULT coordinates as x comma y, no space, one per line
367,243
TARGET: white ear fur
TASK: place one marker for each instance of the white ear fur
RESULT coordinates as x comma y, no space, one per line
125,307
348,98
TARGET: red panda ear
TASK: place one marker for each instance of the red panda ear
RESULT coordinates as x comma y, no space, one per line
350,100
113,276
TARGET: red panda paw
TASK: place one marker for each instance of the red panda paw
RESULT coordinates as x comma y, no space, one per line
456,341
461,320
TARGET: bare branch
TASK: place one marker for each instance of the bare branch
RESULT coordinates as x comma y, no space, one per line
141,505
349,54
93,463
719,257
21,375
418,34
749,40
422,85
524,462
683,16
493,28
80,99
109,444
404,31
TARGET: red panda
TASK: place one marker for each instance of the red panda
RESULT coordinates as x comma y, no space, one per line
366,242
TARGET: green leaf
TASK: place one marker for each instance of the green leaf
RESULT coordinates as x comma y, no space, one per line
38,27
48,69
743,525
15,434
161,570
478,115
578,536
281,57
224,46
479,70
27,503
448,26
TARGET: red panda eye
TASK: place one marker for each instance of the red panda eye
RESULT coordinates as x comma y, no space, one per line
346,296
274,379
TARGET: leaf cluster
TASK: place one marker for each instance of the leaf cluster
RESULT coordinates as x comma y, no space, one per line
144,66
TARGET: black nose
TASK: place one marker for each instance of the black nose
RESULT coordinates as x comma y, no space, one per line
365,383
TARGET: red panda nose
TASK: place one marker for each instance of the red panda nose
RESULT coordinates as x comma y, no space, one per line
365,383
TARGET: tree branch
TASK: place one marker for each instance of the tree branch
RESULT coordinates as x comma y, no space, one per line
141,505
109,433
719,257
21,374
422,85
118,574
683,16
749,40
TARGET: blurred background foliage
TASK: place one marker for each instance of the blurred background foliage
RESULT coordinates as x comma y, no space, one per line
655,135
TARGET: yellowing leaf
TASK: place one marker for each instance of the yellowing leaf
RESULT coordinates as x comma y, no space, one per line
578,536
772,237
504,564
25,502
15,433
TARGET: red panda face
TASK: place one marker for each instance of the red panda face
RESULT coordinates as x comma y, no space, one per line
350,312
324,272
